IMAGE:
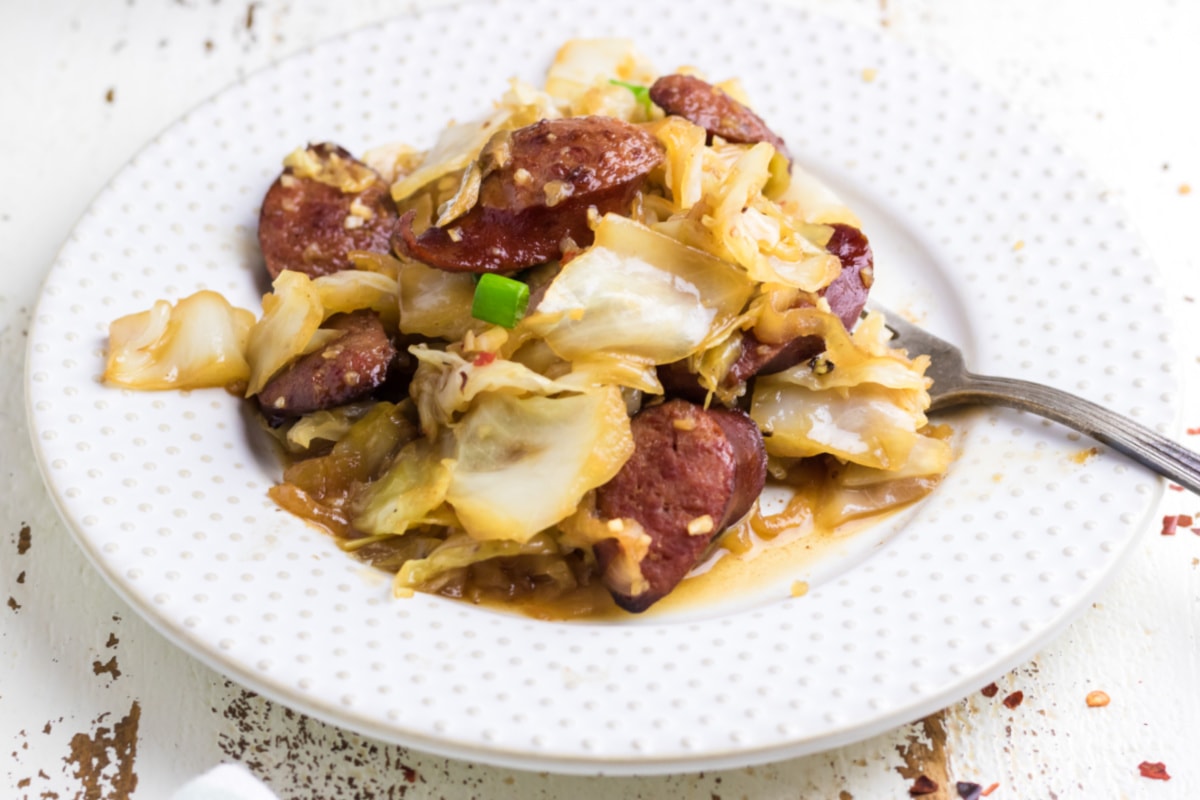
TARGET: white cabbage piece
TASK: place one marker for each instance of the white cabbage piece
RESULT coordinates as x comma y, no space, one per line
684,161
461,143
198,342
582,65
639,293
861,401
435,302
458,551
446,383
328,425
353,289
408,493
523,464
292,312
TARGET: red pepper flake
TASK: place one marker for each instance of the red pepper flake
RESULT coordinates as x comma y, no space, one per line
989,690
1170,523
969,791
1193,431
1014,699
1155,770
923,785
989,790
1174,487
1196,531
1185,520
483,359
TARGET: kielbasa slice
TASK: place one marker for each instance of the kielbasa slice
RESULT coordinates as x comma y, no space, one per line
538,185
348,368
693,472
705,105
311,226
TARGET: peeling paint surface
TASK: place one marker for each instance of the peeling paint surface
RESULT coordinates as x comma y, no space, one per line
95,704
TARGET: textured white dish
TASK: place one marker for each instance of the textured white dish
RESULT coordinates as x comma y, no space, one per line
166,492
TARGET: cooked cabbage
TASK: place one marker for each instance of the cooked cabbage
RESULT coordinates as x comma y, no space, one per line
641,294
860,401
583,70
435,302
198,342
352,289
523,463
292,312
408,492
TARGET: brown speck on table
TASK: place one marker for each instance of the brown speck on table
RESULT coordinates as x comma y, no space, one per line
21,577
110,95
990,690
250,15
923,785
24,540
112,640
109,667
94,757
1014,699
208,45
13,604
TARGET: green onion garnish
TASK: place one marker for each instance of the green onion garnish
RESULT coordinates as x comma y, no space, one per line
500,300
640,92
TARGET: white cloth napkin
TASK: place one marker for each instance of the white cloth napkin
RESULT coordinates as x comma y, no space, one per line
225,782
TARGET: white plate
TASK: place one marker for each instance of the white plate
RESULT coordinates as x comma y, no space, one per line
166,492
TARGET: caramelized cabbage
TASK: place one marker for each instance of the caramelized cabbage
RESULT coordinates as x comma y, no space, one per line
292,312
408,492
353,289
198,342
522,464
436,303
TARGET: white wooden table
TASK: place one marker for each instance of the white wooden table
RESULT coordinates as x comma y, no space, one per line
94,703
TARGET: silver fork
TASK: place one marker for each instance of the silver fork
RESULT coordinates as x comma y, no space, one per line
954,385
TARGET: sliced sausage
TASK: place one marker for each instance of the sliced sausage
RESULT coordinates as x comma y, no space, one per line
310,226
847,295
690,467
348,368
705,105
538,186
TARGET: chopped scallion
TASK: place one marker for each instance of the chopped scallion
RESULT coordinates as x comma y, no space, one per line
500,300
641,93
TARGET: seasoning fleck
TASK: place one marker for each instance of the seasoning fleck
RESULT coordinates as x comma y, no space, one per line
1155,770
1014,699
990,690
23,540
110,95
1096,699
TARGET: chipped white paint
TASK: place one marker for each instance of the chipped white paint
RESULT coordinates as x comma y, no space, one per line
1112,84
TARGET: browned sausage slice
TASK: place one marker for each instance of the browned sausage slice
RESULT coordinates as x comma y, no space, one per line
693,472
539,183
707,106
310,226
348,368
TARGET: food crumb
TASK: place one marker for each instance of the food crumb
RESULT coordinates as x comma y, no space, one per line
1019,244
1014,699
1155,770
869,74
110,95
923,785
1185,189
799,588
989,690
989,790
968,791
1097,699
1084,456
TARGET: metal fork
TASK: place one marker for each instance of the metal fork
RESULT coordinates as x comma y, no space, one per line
954,385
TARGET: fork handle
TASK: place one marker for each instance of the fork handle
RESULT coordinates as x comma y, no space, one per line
1143,445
